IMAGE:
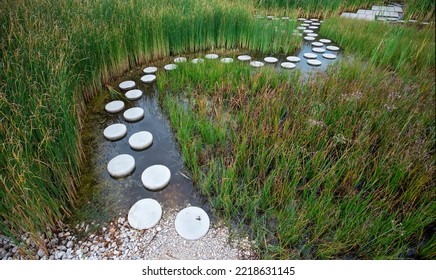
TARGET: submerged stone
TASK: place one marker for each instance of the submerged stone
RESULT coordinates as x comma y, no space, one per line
148,78
134,114
192,223
121,165
156,177
144,214
141,140
150,70
115,131
126,85
314,62
114,106
134,94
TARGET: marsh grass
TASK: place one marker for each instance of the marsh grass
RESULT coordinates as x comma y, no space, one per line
338,165
56,55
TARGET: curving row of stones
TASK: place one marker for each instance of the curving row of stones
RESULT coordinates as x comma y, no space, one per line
192,222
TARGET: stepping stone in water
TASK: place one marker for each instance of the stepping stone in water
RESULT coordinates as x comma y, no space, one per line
307,31
134,114
150,70
156,177
134,94
226,60
170,67
148,78
314,62
144,214
114,106
313,27
317,44
314,19
115,131
309,38
285,18
270,59
307,21
332,48
312,35
192,223
126,85
325,41
318,50
197,60
179,59
211,56
293,59
288,65
310,55
301,28
305,25
301,19
244,57
316,23
256,64
329,56
141,140
121,166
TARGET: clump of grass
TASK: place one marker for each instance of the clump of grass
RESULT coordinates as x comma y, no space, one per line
335,166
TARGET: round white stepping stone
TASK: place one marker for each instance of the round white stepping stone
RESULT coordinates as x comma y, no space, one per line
150,70
121,165
318,50
211,56
115,131
313,27
170,67
332,48
156,177
148,78
307,31
329,56
288,65
114,106
134,114
134,94
301,19
244,57
293,59
226,60
285,18
325,41
180,59
307,21
141,140
314,62
316,23
144,214
310,55
192,223
314,19
256,64
301,28
270,59
197,60
305,25
312,35
309,38
317,44
126,85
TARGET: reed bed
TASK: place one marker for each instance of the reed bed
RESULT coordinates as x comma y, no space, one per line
55,55
337,165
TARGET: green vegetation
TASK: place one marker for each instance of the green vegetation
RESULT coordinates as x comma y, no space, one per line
336,165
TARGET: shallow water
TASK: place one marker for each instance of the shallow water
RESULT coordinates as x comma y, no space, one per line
102,197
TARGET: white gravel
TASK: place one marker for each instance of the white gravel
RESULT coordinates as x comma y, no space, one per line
117,240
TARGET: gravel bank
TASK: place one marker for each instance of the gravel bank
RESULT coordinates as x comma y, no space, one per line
117,240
